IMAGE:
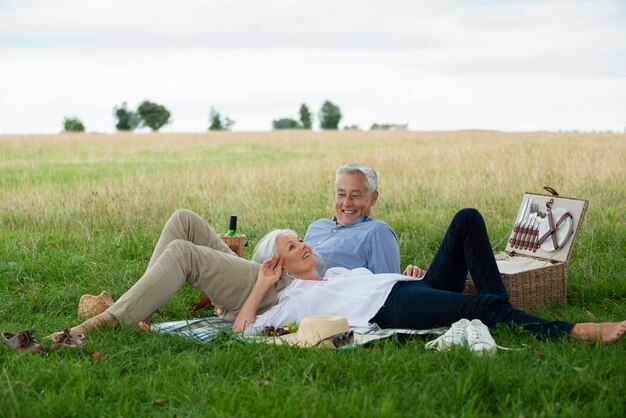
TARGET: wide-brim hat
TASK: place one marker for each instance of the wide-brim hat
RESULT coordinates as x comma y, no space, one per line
324,330
90,305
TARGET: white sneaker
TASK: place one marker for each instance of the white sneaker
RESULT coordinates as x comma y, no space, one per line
479,340
456,335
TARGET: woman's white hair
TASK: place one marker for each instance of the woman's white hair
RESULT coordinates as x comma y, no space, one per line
267,248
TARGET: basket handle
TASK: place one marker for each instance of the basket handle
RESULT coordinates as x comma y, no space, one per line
551,190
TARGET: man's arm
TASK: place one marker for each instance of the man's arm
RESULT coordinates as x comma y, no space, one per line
383,250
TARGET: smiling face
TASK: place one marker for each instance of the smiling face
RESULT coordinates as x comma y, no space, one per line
352,198
298,257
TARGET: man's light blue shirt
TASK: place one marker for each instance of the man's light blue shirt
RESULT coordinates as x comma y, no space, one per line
365,243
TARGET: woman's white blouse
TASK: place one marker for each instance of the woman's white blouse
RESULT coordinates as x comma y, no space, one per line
355,294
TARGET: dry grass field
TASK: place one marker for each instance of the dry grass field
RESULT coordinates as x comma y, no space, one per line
285,178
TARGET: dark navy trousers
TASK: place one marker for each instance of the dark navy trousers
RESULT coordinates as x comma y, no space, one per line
438,300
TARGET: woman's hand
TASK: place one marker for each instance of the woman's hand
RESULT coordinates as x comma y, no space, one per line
414,271
270,271
268,275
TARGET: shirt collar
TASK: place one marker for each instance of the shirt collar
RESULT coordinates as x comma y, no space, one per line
364,218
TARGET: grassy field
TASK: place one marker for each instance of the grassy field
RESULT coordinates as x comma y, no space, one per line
81,214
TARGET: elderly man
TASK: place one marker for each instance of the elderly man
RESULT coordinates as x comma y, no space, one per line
353,238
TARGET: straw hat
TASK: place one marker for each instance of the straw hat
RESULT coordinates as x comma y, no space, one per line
90,305
327,330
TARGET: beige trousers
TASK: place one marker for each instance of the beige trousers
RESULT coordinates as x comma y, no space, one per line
189,250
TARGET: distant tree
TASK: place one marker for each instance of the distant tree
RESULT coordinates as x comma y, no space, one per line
352,128
127,120
390,127
153,115
330,115
217,123
228,123
73,125
305,117
285,123
380,127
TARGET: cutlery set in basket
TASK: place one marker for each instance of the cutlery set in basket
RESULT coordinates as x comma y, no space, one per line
533,263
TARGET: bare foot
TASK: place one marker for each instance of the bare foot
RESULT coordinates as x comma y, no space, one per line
606,332
144,327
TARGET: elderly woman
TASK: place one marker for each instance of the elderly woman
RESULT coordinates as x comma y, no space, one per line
284,283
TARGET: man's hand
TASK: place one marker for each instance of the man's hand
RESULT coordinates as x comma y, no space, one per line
270,271
414,271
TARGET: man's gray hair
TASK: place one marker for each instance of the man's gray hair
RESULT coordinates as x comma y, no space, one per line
356,168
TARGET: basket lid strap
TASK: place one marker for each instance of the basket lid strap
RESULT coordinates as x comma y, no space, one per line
553,227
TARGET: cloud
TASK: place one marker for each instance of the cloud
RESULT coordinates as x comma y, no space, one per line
438,65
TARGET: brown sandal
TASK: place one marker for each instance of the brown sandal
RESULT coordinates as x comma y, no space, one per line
65,339
23,341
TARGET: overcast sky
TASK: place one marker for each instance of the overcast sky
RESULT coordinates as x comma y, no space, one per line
437,65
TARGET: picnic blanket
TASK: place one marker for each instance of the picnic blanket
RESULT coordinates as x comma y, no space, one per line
208,328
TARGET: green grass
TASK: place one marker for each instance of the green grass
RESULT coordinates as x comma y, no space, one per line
81,214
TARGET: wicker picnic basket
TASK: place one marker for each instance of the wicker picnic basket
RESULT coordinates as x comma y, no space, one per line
538,287
533,271
236,244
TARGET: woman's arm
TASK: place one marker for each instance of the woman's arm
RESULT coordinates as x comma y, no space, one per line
268,275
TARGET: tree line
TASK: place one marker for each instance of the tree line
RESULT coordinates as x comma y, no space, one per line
154,116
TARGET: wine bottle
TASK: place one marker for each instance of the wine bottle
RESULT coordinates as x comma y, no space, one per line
232,227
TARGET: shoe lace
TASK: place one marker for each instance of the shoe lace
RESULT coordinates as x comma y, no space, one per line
456,333
433,343
476,335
